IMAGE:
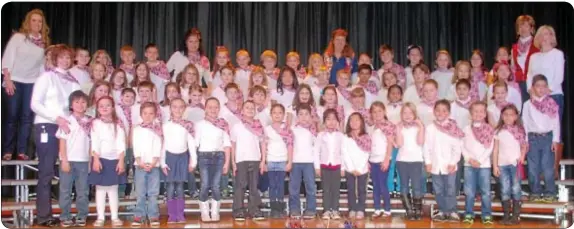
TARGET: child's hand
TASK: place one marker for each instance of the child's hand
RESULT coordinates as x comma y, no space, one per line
554,147
428,168
474,163
521,160
385,165
342,173
318,172
141,165
288,167
97,166
165,169
120,168
65,166
356,173
190,168
262,168
496,171
451,169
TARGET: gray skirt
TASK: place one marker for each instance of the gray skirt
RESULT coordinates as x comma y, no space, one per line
178,166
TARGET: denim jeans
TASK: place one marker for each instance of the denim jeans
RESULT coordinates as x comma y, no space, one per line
78,176
477,178
379,178
147,186
509,183
411,172
276,173
210,169
174,190
305,172
191,184
445,192
17,125
263,184
559,99
541,160
394,172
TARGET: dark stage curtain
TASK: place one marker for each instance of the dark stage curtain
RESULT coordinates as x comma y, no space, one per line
304,27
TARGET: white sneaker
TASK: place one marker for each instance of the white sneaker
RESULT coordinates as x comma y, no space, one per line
352,214
335,215
117,223
326,215
99,223
386,214
377,214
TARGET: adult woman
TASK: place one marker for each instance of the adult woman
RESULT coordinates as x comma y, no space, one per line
191,52
51,105
21,63
339,55
522,51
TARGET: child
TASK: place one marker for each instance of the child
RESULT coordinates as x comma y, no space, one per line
158,72
118,82
221,59
258,94
355,150
358,105
410,140
383,141
370,87
124,112
389,79
443,72
189,76
143,75
108,143
212,157
414,92
145,90
500,89
257,77
510,147
74,160
178,159
329,101
128,55
460,108
279,158
195,110
147,152
248,161
343,88
502,72
227,75
287,85
542,123
171,92
364,58
477,149
462,71
99,90
244,69
304,96
304,134
395,104
442,150
478,70
231,112
327,151
98,73
415,57
81,70
315,62
522,50
269,62
426,107
503,54
293,60
101,56
322,76
387,57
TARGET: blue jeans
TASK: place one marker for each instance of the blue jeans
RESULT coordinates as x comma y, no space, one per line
263,184
541,160
210,169
147,186
78,176
559,99
509,183
191,185
445,192
276,173
411,172
379,178
17,125
306,172
394,172
477,178
174,190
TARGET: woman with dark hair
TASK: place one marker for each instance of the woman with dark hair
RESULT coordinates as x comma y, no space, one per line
21,63
191,52
339,55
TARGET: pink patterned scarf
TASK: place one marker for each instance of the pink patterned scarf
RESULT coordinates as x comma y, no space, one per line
66,76
37,41
331,130
154,127
127,110
450,128
309,126
254,126
364,142
409,124
395,104
371,87
273,74
197,58
344,92
474,92
518,132
483,132
523,47
285,133
219,123
198,105
387,127
128,69
545,106
85,123
160,70
465,104
500,105
186,124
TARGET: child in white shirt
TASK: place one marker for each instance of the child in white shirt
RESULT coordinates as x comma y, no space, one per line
414,92
425,108
195,111
382,137
389,79
329,101
262,106
227,75
287,85
499,101
370,87
124,113
443,73
460,106
344,88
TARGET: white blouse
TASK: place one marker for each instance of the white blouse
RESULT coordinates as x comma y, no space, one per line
473,149
148,147
247,147
549,64
77,141
177,140
394,113
210,138
460,114
441,150
410,151
513,96
82,76
23,59
327,149
285,99
303,143
50,97
411,95
354,158
108,139
537,122
508,148
342,101
379,146
444,80
276,147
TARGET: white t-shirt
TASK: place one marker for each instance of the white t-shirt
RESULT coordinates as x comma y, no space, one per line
247,146
303,144
379,146
410,151
276,147
77,141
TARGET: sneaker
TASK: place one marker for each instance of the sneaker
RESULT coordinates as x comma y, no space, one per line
99,223
295,215
534,198
258,215
386,214
335,215
439,217
117,223
80,222
154,222
487,220
468,219
549,199
453,217
239,216
138,221
352,214
360,215
377,214
66,223
309,215
326,215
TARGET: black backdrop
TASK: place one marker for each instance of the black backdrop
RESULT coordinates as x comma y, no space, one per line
304,27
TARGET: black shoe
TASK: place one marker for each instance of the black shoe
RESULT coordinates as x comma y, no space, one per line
417,207
50,223
408,207
515,219
257,215
506,209
239,216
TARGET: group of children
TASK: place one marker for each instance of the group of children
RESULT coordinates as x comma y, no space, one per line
262,121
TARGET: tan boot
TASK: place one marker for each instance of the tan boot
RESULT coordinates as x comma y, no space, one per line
204,209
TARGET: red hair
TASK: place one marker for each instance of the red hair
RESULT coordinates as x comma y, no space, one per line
347,50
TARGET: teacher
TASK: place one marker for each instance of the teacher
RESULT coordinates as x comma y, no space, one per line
191,52
339,55
21,63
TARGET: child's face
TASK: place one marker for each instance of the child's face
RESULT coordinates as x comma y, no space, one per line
277,114
191,76
172,93
343,79
259,97
177,108
502,55
248,110
127,57
141,73
442,61
83,57
408,115
503,73
226,76
395,95
358,101
119,79
269,63
441,112
192,43
304,96
387,57
212,108
331,121
429,91
322,77
475,61
101,91
462,91
525,29
64,61
378,113
389,79
105,107
355,122
222,58
102,58
330,96
243,60
292,62
419,76
316,62
152,53
364,75
144,93
231,94
195,97
500,94
304,116
509,117
540,88
99,72
128,99
463,72
478,113
258,79
79,105
364,59
288,78
415,56
339,42
148,114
